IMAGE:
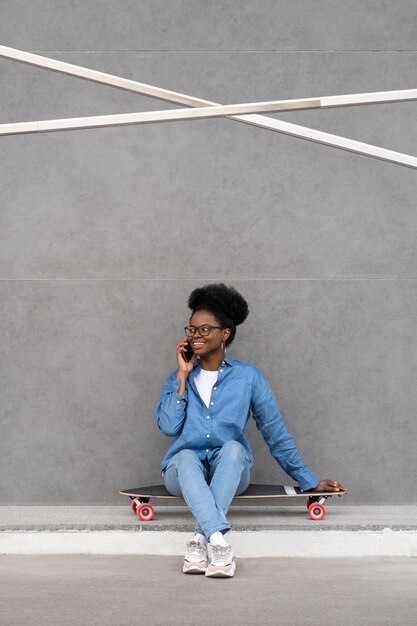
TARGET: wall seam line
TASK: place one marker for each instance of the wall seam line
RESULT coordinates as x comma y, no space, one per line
199,279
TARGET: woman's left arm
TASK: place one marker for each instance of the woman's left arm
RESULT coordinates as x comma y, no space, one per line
279,440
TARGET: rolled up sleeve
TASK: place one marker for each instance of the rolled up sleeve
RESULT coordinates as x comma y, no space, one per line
275,433
171,410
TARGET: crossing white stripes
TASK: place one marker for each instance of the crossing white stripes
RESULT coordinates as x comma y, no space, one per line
262,121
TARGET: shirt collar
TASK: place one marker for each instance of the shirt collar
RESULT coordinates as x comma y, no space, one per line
227,359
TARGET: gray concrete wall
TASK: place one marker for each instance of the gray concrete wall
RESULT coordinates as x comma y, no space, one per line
105,232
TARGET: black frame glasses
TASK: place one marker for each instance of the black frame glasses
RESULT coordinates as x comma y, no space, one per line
190,331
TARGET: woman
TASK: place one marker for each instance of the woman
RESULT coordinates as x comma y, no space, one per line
204,406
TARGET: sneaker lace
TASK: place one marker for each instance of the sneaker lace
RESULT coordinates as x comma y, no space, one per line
221,552
195,546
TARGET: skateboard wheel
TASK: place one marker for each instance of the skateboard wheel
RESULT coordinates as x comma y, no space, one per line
317,511
134,506
145,512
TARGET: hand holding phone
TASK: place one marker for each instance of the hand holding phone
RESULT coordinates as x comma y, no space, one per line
185,356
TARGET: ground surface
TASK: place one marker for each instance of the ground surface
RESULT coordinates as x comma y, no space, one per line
136,590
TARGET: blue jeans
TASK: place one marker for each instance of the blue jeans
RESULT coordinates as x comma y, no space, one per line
209,489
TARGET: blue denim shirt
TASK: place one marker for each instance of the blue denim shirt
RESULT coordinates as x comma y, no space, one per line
240,389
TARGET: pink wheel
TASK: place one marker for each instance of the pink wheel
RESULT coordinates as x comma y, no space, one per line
134,506
145,512
317,511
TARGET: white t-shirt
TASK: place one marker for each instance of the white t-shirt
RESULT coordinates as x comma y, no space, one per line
205,381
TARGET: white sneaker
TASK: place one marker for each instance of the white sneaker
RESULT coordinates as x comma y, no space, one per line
222,563
195,561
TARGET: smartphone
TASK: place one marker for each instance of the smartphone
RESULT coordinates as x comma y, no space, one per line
189,353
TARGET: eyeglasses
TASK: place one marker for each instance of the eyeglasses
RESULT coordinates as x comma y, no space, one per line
203,330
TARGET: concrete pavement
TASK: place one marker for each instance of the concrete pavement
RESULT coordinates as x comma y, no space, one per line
100,590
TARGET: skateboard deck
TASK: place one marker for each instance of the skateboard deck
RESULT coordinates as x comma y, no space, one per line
141,496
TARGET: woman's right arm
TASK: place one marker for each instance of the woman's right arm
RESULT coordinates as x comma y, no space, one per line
172,406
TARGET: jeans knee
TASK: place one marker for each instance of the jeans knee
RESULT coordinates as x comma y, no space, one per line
185,458
234,450
178,469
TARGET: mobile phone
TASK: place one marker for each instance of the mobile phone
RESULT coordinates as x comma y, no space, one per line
189,353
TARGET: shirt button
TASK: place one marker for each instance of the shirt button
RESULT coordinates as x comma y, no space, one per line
208,435
215,388
211,402
178,401
207,449
208,417
221,370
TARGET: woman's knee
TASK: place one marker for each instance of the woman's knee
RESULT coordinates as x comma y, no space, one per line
234,449
185,458
184,461
183,466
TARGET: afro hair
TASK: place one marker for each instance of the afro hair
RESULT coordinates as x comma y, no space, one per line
224,302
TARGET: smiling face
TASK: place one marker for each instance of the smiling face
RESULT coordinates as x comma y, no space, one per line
212,343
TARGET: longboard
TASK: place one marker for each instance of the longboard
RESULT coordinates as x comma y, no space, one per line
140,497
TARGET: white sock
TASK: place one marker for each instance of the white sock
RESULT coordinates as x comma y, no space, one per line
217,539
200,538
